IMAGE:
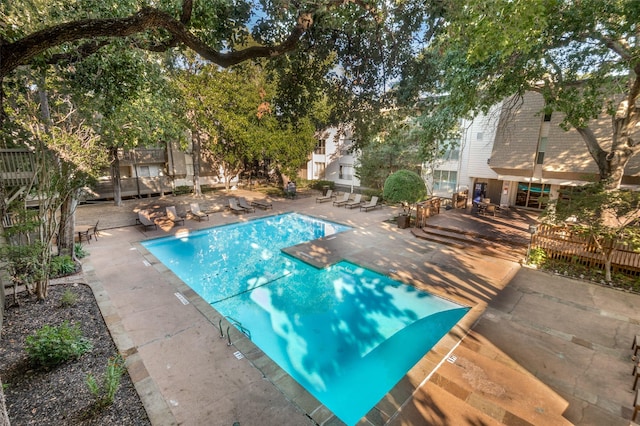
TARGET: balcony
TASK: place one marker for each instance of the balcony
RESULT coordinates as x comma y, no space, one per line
142,156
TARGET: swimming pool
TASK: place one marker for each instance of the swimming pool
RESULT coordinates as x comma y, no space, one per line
345,333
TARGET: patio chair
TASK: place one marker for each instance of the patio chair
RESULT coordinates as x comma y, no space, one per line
344,200
324,198
490,209
173,215
263,204
372,204
357,200
199,214
242,202
235,208
145,219
88,233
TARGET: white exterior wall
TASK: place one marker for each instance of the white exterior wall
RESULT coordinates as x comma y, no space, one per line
335,156
479,137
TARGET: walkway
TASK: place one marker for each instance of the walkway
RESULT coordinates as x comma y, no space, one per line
537,335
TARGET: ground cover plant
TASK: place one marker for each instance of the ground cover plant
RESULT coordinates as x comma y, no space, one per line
92,387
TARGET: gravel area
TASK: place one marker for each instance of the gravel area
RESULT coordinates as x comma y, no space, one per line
60,396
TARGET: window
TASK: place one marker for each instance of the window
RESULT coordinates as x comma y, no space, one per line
542,148
346,172
321,147
143,171
444,181
318,170
533,195
547,116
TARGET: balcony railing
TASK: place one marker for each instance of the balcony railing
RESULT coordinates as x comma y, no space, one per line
142,156
17,167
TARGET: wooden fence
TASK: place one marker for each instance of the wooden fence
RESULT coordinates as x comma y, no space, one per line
561,243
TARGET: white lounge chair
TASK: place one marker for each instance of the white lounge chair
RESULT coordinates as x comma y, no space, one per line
372,204
344,200
263,204
145,219
197,213
242,202
235,208
327,197
173,215
357,200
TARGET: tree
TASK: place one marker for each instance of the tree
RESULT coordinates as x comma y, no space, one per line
232,120
583,209
399,145
356,48
65,154
406,187
583,57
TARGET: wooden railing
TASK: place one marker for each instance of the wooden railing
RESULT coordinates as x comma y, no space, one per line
17,167
142,156
562,243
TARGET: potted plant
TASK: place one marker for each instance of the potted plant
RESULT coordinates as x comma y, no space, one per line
405,187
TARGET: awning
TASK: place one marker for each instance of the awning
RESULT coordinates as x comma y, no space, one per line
562,182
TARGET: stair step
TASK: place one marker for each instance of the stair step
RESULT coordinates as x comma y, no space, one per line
514,251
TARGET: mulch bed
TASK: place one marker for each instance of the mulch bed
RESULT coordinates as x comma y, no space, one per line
60,396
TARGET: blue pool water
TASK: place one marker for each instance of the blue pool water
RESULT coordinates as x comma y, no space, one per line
345,333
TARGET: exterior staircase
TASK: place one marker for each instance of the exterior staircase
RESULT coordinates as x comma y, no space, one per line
505,237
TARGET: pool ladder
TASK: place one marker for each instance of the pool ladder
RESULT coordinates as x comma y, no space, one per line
238,325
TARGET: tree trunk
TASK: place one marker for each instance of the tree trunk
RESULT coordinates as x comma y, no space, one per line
195,156
66,234
611,164
115,177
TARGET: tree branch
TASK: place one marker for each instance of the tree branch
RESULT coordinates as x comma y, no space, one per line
20,52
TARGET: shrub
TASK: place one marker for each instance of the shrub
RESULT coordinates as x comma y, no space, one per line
69,298
51,346
62,265
373,193
319,184
406,187
537,256
182,190
105,391
79,251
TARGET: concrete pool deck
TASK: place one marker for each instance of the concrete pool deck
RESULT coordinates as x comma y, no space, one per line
533,346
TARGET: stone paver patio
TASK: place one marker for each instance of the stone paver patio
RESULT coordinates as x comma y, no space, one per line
533,346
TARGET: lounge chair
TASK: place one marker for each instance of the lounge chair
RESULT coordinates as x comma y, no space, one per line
357,200
235,208
145,219
263,204
242,202
327,197
344,200
199,214
372,204
173,215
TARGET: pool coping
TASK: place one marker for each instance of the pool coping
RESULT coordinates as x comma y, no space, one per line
382,412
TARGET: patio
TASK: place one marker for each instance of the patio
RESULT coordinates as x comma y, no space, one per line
528,348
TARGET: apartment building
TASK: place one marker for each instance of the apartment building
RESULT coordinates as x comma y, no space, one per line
333,159
516,155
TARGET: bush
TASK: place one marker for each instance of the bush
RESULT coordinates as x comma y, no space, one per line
406,187
319,184
61,266
69,298
537,256
182,190
105,392
373,193
51,346
80,252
